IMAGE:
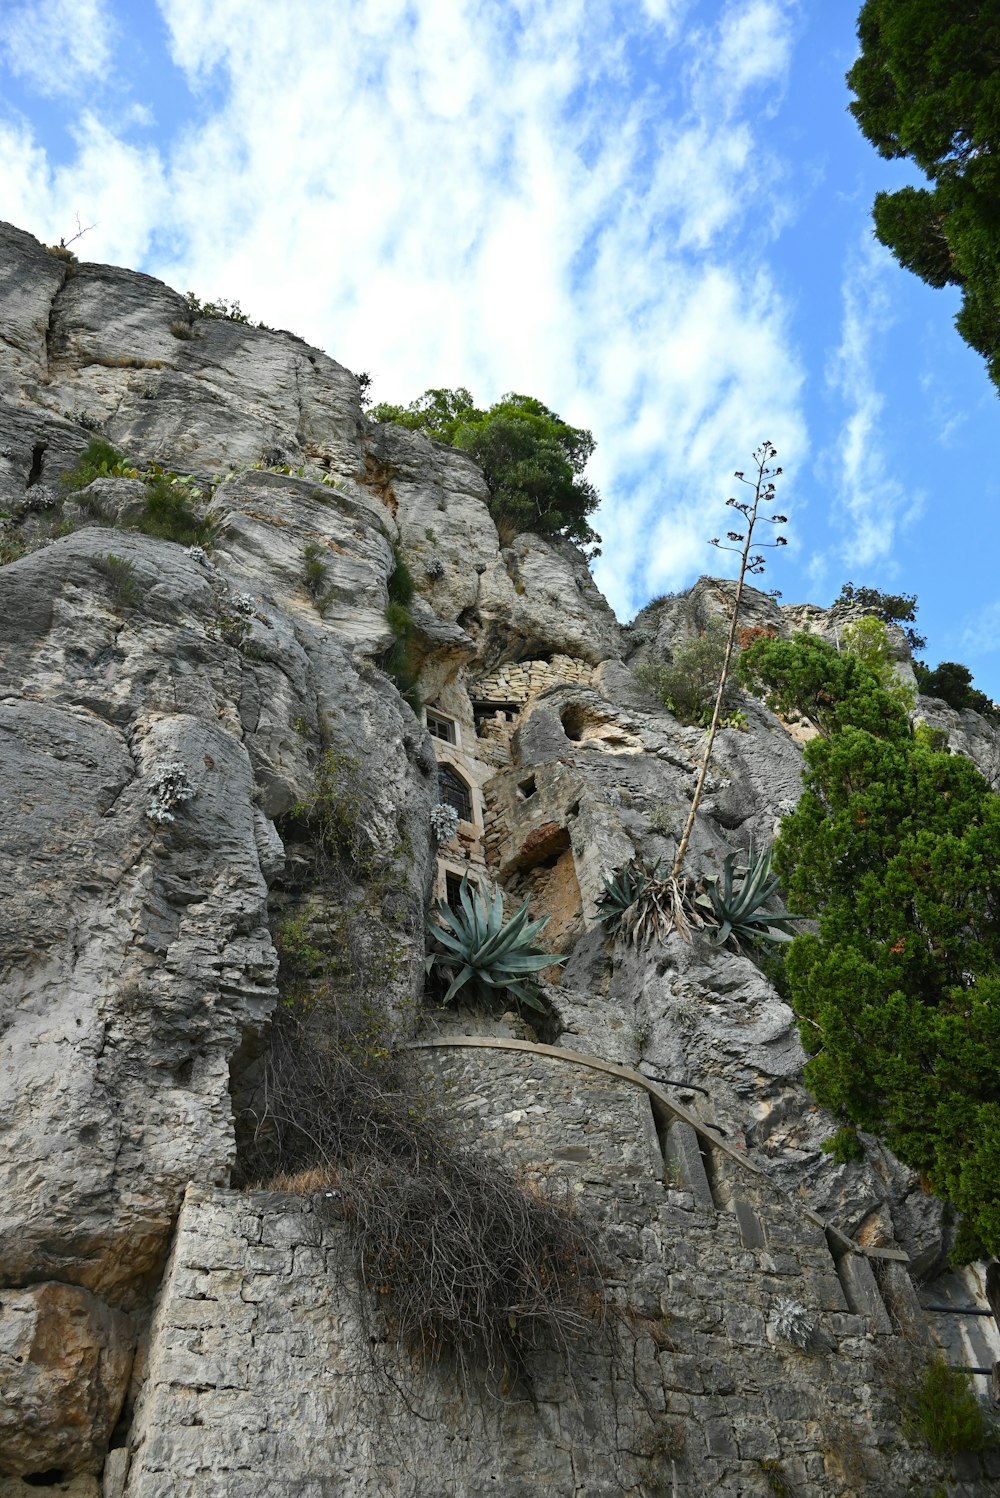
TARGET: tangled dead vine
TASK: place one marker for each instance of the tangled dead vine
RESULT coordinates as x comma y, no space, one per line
459,1262
457,1258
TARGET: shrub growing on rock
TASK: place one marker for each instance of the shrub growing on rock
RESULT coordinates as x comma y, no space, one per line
895,849
99,460
532,460
687,685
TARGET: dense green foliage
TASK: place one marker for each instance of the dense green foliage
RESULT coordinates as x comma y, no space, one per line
952,683
867,640
399,661
168,514
895,849
891,608
946,1414
927,87
532,460
688,684
99,460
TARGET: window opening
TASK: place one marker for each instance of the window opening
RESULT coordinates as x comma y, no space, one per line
441,728
453,791
486,712
452,885
35,472
527,788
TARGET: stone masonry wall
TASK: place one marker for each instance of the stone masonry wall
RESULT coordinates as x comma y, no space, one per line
519,680
258,1383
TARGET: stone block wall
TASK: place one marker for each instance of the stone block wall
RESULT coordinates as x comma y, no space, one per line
519,680
259,1381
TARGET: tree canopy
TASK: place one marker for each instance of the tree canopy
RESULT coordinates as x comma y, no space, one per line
894,849
532,460
952,683
927,87
891,608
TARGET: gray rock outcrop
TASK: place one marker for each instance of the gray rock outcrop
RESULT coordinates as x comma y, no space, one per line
171,718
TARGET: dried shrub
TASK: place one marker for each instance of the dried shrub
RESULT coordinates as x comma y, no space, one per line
751,633
123,584
456,1258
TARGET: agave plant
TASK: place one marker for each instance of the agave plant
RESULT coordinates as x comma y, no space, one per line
480,950
621,890
737,897
640,905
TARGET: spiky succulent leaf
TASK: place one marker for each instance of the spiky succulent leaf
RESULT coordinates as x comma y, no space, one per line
622,889
481,951
738,897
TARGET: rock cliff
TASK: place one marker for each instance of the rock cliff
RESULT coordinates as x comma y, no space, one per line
167,713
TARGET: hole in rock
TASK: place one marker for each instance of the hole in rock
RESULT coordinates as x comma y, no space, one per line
49,1479
574,721
34,475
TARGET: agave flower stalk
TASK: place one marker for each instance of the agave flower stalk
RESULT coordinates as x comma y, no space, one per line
763,496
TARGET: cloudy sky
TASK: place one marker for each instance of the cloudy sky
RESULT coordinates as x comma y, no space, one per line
653,215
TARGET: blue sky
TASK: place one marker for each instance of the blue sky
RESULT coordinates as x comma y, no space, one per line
652,215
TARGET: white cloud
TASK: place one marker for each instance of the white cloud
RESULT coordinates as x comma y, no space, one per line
99,191
56,45
871,504
506,196
981,633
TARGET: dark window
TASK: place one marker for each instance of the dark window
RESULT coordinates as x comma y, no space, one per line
527,787
441,728
453,791
485,712
452,884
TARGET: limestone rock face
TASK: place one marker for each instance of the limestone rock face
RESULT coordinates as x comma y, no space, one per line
64,1367
169,717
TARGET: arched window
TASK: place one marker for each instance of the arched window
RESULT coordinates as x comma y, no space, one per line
453,791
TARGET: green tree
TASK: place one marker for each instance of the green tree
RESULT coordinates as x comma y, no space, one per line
927,87
868,641
532,460
952,683
891,608
895,850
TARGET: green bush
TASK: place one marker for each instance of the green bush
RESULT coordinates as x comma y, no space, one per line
532,460
946,1414
867,640
398,662
952,683
688,684
168,514
889,608
845,1146
99,460
223,310
314,568
895,849
400,584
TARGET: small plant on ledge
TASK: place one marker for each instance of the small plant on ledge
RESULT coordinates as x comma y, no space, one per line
481,951
641,904
444,822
